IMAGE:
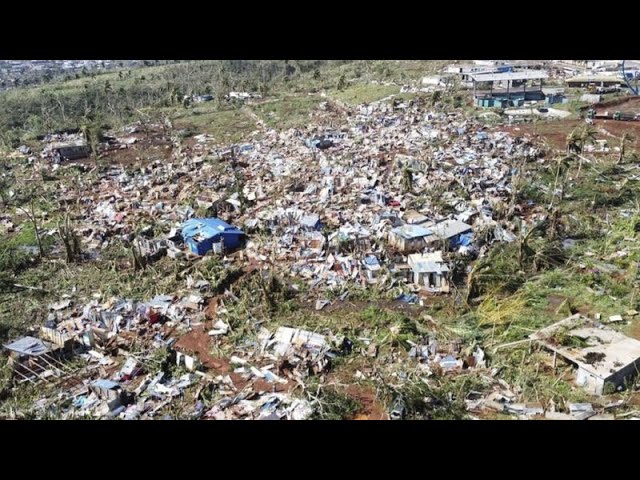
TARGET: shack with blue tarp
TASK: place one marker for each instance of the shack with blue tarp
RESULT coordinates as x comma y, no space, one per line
205,234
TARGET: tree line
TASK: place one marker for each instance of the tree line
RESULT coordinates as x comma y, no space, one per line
115,98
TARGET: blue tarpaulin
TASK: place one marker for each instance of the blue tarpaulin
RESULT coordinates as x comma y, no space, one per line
462,240
201,233
408,298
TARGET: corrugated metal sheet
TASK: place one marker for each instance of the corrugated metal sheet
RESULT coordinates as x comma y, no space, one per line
449,228
28,346
411,231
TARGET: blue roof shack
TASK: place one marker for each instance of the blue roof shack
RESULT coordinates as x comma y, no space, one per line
205,234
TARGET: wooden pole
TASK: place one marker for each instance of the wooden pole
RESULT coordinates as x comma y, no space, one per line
25,378
64,368
52,365
34,373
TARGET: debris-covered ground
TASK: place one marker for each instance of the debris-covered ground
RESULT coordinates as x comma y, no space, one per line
396,259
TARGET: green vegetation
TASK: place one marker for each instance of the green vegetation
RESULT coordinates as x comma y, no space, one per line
289,111
119,97
333,405
364,93
226,126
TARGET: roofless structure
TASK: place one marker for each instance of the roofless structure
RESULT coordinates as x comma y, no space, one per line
508,88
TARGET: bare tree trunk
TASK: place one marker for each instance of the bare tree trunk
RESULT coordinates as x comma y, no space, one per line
622,148
34,221
579,167
555,186
37,232
61,106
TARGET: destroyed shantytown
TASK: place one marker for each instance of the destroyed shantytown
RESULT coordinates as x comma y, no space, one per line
326,240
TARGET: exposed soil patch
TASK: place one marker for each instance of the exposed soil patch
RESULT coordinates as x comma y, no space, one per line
69,382
624,104
371,407
586,310
198,343
555,132
139,154
212,307
261,385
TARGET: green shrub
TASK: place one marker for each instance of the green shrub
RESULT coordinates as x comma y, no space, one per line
334,405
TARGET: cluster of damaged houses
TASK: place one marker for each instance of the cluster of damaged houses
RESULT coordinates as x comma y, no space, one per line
330,203
122,377
336,208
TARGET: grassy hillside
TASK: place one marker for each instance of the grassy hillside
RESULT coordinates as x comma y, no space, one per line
118,97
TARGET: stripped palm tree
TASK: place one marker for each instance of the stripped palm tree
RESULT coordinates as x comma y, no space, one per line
586,136
626,137
91,136
562,167
85,131
70,239
33,218
573,142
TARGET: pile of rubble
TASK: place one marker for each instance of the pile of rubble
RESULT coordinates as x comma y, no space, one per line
381,202
332,207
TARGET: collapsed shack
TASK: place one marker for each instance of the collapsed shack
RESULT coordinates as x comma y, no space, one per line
33,359
65,146
457,233
301,352
69,152
109,391
605,358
